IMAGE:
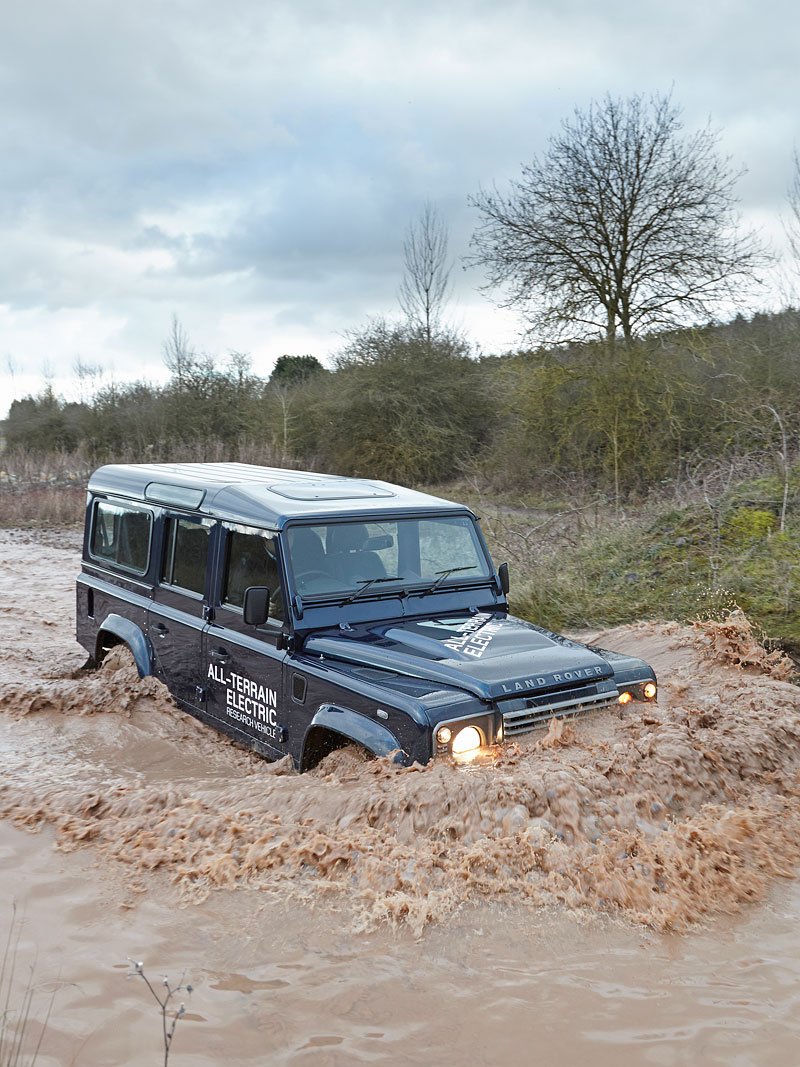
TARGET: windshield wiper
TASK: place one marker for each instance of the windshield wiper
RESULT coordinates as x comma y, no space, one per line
367,583
443,575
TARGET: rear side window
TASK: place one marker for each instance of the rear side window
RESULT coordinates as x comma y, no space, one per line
121,535
185,554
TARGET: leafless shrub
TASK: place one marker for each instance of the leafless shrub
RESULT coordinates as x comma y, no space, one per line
169,1020
524,535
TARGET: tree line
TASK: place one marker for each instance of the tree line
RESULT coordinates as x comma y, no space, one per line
405,405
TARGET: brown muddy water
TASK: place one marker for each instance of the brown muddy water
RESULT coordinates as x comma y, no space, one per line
621,890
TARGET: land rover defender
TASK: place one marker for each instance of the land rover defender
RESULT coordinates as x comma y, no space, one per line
298,612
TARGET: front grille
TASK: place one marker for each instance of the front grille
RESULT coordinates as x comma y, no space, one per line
521,720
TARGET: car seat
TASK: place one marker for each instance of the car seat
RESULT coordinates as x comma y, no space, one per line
351,561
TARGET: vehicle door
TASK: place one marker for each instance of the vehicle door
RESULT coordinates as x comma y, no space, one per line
177,617
243,666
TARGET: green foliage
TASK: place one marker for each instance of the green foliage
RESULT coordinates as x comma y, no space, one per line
45,422
399,408
624,419
620,421
289,370
746,525
672,565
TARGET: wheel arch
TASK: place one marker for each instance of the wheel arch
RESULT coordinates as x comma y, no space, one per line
117,630
333,726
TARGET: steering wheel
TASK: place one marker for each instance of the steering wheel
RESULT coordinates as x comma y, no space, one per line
313,574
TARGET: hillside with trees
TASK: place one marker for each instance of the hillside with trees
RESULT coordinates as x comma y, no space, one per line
581,419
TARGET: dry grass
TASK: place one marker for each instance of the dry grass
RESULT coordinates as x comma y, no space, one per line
49,505
42,489
39,489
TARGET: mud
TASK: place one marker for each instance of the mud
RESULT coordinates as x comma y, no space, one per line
662,818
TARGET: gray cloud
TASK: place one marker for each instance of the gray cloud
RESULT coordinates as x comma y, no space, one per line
253,167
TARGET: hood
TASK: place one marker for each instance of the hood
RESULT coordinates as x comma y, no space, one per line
486,654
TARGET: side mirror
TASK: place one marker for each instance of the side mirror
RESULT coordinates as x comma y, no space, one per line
502,574
256,605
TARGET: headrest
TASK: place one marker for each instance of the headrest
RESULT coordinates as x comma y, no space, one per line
347,537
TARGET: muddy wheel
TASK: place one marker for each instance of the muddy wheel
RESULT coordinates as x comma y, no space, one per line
321,743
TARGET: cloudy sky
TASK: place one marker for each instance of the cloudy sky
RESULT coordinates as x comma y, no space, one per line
252,166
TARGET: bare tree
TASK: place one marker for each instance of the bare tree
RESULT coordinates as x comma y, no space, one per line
241,370
425,287
623,226
282,392
179,356
792,224
783,458
88,374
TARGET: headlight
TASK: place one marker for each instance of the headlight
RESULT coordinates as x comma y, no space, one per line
650,690
625,698
466,741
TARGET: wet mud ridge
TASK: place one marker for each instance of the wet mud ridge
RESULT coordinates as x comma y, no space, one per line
665,815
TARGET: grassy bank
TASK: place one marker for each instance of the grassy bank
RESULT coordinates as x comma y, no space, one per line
664,561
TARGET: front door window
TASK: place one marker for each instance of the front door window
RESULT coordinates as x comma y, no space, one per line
244,666
252,560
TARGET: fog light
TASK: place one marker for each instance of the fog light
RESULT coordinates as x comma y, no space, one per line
443,735
467,740
625,698
650,690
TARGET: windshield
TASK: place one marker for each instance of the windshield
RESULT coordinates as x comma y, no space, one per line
370,558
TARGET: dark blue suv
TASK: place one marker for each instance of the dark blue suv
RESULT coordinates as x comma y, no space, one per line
299,612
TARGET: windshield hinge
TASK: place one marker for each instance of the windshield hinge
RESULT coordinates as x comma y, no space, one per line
285,642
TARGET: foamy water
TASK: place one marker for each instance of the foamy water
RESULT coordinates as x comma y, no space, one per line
367,912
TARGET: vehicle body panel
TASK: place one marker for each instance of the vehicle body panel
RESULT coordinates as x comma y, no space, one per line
393,662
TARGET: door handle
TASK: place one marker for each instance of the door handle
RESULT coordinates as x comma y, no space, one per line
219,655
161,629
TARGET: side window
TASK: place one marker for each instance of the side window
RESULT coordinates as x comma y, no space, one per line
251,560
121,535
186,554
